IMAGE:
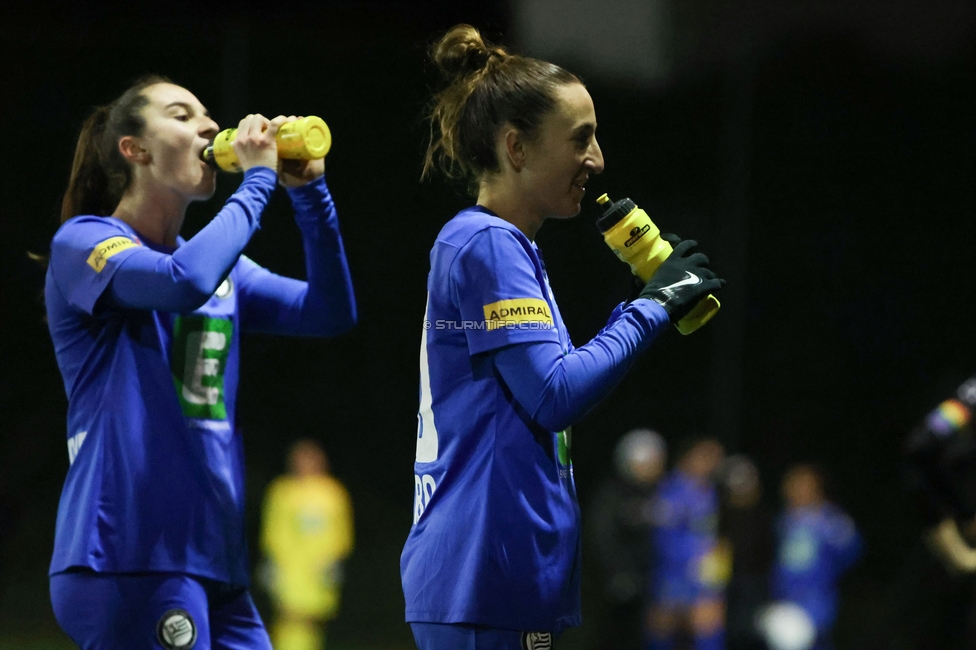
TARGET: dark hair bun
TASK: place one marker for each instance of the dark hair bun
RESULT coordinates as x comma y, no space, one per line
462,51
486,89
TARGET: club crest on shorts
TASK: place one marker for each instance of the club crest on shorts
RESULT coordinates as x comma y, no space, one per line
225,289
536,641
176,630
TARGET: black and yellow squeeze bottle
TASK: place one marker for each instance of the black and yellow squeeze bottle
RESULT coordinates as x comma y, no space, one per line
306,139
631,234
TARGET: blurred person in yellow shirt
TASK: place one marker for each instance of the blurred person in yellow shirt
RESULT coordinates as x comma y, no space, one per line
307,532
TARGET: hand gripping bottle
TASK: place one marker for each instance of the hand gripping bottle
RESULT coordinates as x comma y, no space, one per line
306,139
631,234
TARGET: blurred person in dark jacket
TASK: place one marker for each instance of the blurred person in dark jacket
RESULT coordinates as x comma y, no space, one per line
746,526
619,525
940,602
942,472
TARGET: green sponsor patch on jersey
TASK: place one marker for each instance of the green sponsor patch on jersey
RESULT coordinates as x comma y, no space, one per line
565,439
200,348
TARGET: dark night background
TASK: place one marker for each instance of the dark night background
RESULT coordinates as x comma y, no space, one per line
822,152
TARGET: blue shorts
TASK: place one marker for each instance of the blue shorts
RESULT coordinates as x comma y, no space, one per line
678,591
162,611
443,636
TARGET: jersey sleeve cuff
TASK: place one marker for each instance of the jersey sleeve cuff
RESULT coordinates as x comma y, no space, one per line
653,313
312,201
262,176
310,194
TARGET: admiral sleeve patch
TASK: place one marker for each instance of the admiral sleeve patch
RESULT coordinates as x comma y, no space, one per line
506,313
103,251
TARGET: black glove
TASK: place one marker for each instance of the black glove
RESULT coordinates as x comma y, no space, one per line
681,280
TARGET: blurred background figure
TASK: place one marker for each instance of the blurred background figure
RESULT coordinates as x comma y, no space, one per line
307,532
817,543
746,526
619,526
690,567
941,455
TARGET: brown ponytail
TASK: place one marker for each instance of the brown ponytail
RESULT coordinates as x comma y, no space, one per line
99,173
486,88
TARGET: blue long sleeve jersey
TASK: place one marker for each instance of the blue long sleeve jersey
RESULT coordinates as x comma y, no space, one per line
496,534
146,337
816,546
685,532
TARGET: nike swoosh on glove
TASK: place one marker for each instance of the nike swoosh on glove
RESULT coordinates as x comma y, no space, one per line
682,280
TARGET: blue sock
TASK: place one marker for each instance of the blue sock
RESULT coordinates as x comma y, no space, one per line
713,641
656,643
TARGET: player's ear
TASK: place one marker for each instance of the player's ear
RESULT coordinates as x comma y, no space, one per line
513,143
132,151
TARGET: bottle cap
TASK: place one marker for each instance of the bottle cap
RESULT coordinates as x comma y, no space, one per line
207,155
616,210
317,137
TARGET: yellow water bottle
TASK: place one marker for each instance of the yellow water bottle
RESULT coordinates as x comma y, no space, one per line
631,234
306,139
